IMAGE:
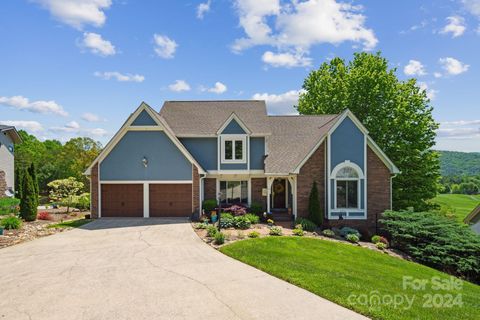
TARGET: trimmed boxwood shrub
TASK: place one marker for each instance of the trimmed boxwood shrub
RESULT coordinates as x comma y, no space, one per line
436,241
209,205
307,225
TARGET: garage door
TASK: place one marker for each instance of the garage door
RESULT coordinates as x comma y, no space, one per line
122,200
170,200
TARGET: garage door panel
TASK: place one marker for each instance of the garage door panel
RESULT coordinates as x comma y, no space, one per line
122,200
170,200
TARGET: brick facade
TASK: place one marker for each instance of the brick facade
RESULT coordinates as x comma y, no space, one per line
3,184
195,190
378,197
209,188
312,170
257,185
94,192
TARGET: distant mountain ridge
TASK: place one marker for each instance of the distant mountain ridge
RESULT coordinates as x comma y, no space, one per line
453,163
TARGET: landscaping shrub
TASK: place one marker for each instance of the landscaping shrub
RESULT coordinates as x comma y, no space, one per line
241,222
298,231
328,233
345,231
307,225
352,237
211,231
314,211
28,203
227,221
253,218
375,239
270,222
9,205
256,208
219,238
254,234
11,223
381,245
209,205
236,210
240,235
81,202
384,241
276,231
436,241
44,216
201,225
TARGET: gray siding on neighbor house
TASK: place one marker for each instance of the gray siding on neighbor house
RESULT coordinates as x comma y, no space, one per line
165,160
204,150
144,119
347,143
233,128
257,153
7,159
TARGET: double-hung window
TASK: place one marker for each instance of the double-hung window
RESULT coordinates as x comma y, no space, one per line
233,149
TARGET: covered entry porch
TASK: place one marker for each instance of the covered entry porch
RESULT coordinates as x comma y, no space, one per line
282,197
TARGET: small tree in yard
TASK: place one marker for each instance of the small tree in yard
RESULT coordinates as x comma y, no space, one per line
33,173
28,203
64,190
314,212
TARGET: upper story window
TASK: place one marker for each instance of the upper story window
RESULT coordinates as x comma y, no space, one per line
233,148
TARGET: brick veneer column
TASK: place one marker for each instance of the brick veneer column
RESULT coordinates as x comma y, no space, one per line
94,192
209,188
3,184
196,190
312,170
257,185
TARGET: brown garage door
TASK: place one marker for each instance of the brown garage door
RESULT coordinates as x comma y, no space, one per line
170,200
122,200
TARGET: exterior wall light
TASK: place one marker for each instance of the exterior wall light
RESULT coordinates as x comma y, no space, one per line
145,162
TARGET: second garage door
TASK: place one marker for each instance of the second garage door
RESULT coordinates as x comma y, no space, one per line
170,200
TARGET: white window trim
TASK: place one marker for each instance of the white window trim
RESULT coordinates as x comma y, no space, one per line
238,179
361,177
233,137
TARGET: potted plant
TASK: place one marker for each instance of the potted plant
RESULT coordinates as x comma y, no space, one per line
1,231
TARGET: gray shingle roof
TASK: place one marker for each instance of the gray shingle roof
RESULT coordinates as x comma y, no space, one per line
293,137
193,118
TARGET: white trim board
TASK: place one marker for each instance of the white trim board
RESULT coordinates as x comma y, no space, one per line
146,181
233,116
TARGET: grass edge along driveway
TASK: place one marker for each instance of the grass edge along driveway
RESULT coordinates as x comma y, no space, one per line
349,276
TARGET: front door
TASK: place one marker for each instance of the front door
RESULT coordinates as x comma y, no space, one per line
279,193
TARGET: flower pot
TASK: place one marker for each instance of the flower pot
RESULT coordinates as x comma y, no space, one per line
1,231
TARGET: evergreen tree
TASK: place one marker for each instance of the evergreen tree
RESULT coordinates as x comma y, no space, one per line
33,174
314,211
18,182
28,202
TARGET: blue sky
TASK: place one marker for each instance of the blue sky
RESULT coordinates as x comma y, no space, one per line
80,67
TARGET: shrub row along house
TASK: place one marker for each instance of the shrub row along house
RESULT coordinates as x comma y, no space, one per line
8,138
167,163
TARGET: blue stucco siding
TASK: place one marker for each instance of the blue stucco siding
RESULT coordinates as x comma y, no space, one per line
257,153
233,128
347,144
144,119
233,166
204,150
165,160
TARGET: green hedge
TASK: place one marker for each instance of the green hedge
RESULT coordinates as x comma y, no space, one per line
436,241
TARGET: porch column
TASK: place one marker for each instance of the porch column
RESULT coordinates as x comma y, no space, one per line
293,182
269,191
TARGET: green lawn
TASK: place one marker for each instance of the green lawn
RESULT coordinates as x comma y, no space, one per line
70,224
344,274
463,204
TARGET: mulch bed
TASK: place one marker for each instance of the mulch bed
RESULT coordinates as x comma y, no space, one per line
39,228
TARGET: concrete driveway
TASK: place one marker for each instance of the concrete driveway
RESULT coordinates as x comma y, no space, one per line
144,269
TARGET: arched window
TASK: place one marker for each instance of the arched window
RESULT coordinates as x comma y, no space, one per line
347,186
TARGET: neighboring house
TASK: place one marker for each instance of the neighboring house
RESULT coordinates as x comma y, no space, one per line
8,138
167,163
473,219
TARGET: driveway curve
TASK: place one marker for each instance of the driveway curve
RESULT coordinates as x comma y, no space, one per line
144,269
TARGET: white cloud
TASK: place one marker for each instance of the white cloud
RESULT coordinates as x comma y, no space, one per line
78,13
453,66
459,129
437,74
179,86
40,106
218,88
164,46
456,26
203,8
298,25
74,129
32,126
280,103
431,93
473,6
91,117
286,59
414,68
127,77
97,45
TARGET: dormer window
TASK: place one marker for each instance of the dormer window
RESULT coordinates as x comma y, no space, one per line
233,148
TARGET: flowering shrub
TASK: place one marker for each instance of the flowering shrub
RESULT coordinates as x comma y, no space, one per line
236,210
44,216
